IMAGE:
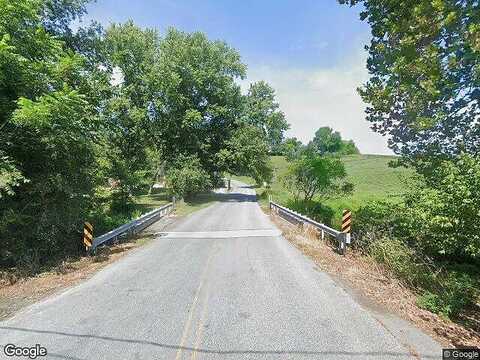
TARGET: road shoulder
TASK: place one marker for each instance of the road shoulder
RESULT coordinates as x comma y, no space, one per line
388,302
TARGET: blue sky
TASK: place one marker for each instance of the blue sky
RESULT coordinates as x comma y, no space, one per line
310,51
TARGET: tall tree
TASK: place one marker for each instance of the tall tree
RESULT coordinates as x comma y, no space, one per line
424,61
132,54
46,139
246,153
327,141
263,111
197,101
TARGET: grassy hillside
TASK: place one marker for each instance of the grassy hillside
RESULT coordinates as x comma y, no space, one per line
372,177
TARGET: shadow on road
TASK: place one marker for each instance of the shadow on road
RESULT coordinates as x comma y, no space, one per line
375,354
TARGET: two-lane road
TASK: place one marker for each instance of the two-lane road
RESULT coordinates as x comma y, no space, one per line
220,284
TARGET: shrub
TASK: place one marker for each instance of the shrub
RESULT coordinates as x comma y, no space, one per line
454,292
313,175
402,260
446,208
313,210
392,234
186,177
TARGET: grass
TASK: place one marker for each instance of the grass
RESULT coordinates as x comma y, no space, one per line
146,203
372,177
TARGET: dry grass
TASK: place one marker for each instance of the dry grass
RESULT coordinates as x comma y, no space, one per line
375,287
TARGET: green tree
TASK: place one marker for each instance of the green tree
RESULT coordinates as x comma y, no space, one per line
47,132
127,126
246,153
263,111
349,148
54,149
442,214
424,58
196,101
327,141
313,175
291,148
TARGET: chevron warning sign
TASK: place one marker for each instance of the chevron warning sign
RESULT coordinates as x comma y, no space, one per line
87,235
347,221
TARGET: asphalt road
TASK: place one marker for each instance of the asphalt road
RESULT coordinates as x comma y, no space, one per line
219,284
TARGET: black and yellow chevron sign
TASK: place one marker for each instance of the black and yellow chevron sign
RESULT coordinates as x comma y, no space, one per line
347,221
88,235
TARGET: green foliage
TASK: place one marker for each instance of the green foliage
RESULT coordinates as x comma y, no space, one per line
348,148
187,177
89,117
313,209
401,259
456,291
10,177
448,207
314,175
439,221
424,57
52,146
326,141
247,153
442,289
263,111
424,238
291,148
197,101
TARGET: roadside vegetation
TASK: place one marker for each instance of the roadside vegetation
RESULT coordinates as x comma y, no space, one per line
423,93
91,119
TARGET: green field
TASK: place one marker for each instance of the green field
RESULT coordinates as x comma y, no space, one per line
372,177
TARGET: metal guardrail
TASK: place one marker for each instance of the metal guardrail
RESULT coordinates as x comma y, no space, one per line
292,216
133,227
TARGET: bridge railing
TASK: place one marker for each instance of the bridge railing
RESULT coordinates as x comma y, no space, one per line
133,227
294,217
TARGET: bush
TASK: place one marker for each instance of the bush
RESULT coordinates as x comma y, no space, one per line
314,210
455,292
392,234
186,177
402,260
446,208
313,175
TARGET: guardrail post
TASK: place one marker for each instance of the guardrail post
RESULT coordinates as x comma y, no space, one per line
348,238
342,243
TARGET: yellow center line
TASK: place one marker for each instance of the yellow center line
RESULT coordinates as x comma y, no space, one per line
200,324
186,328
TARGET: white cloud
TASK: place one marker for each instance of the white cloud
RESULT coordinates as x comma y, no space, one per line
312,98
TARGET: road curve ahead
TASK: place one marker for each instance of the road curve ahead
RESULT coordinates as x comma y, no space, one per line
219,284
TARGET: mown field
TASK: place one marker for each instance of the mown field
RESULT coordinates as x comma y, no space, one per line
371,175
